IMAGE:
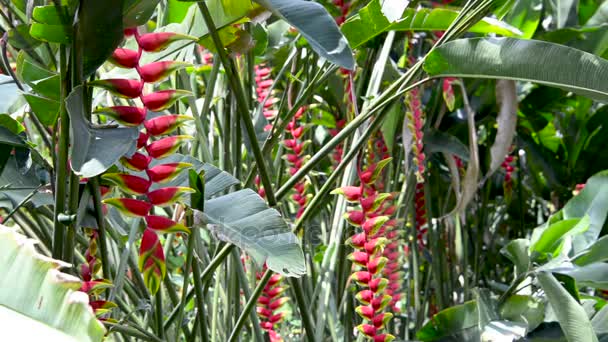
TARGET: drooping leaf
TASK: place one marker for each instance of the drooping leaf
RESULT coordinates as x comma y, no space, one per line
506,96
97,35
317,26
570,314
595,253
517,252
525,60
523,309
37,299
94,150
549,240
19,184
371,22
592,201
244,219
9,91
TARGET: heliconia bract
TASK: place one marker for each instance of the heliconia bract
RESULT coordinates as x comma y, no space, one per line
168,195
166,146
156,71
126,115
166,172
165,124
152,260
133,185
165,225
130,207
158,41
120,87
125,58
137,162
163,99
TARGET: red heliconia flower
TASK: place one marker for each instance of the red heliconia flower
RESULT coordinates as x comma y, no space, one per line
168,196
152,260
130,207
156,71
448,92
166,172
130,184
165,124
161,100
142,140
158,41
120,87
163,224
125,58
166,146
128,32
350,193
126,115
137,162
355,217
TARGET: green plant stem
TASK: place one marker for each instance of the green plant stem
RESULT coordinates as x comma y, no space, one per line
303,307
133,332
243,108
158,305
249,306
259,336
198,289
101,227
187,268
62,159
68,250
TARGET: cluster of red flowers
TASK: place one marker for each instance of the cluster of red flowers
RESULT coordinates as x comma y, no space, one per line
370,255
155,143
268,303
507,166
344,7
415,123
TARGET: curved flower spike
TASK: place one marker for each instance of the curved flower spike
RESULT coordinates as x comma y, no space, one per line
126,115
163,99
152,261
165,124
166,146
130,207
158,41
163,224
137,162
124,58
157,71
120,87
130,184
166,172
169,195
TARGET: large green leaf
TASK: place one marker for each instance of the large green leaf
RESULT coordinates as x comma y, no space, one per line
244,219
593,275
592,201
570,314
523,309
525,15
525,60
18,185
550,238
94,150
137,12
596,252
317,26
97,36
451,321
372,21
38,300
517,252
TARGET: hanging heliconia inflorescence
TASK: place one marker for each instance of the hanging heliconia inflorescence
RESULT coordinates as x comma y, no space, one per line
269,302
92,285
507,166
369,244
344,7
155,143
415,117
296,157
